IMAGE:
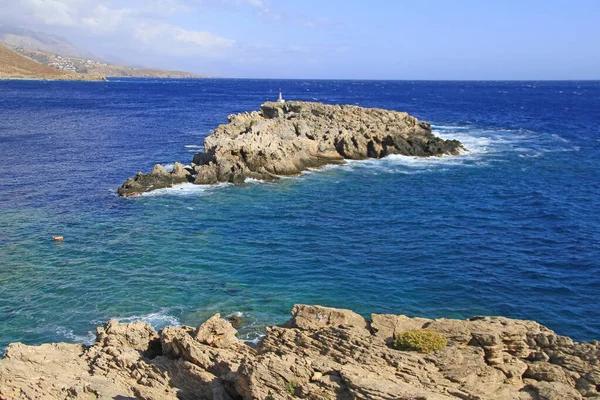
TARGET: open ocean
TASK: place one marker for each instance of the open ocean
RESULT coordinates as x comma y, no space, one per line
510,228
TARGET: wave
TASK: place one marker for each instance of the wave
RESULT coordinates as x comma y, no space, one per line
194,148
482,147
254,181
238,314
449,127
560,138
157,319
254,342
186,189
87,339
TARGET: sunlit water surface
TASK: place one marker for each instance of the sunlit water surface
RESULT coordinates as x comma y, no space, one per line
509,228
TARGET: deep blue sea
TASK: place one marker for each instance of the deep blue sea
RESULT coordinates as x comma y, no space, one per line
511,227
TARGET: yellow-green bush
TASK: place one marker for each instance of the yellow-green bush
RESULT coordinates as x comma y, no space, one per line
421,340
291,387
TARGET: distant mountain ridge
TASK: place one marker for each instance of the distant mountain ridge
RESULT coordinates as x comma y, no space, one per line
59,53
13,36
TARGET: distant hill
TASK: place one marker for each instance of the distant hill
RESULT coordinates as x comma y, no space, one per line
90,66
59,53
15,66
13,36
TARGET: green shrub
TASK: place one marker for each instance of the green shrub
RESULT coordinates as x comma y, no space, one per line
290,388
421,340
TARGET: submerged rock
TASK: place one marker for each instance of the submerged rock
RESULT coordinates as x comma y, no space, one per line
288,138
322,353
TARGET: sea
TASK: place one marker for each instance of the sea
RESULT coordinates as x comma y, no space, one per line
510,227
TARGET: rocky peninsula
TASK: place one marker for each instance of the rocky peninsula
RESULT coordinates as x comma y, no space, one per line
321,353
15,66
286,138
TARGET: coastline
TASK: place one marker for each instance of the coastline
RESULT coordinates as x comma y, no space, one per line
320,353
100,79
221,234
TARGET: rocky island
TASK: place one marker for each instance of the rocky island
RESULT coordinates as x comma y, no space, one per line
321,353
286,138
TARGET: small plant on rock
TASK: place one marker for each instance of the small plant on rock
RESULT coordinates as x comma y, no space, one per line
421,340
290,388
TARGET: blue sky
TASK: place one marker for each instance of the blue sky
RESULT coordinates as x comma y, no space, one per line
428,39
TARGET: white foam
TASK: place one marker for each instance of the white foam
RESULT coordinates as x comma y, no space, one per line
478,143
186,189
448,127
193,146
255,341
254,181
326,167
158,319
532,155
87,339
560,138
238,314
169,167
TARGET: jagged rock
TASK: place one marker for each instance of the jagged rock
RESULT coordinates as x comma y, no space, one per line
546,372
217,332
180,171
317,317
159,178
288,138
323,353
205,174
552,391
387,326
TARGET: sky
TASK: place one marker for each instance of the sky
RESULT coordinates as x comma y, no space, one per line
331,39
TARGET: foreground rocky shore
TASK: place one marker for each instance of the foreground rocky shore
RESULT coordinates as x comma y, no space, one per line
321,353
288,138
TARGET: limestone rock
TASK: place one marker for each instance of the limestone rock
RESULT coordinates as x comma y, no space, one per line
205,174
159,178
217,332
317,317
324,353
386,326
288,138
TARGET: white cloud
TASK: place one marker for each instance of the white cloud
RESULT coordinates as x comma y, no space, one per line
173,40
255,3
159,32
143,24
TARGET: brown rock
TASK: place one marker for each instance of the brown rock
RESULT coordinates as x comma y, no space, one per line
288,138
317,317
546,372
159,178
217,332
326,353
386,326
552,391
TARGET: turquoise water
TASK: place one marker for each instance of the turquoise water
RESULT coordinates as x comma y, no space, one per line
509,228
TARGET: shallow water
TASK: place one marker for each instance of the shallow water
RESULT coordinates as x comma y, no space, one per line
509,228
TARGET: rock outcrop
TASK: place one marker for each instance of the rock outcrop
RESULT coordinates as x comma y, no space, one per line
159,178
322,353
288,138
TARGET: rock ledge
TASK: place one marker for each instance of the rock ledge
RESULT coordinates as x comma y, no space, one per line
322,353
